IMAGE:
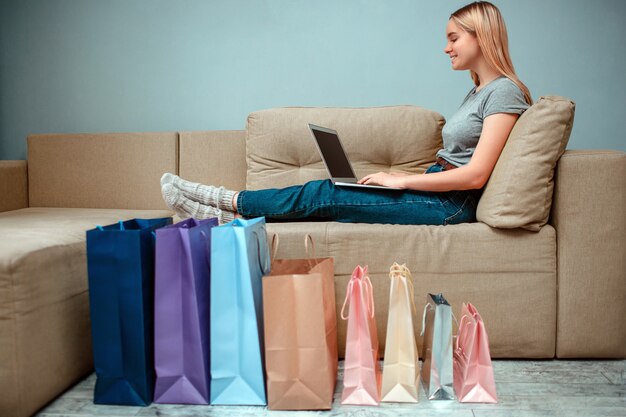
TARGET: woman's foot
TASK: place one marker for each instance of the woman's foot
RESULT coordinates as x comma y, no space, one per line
185,207
205,194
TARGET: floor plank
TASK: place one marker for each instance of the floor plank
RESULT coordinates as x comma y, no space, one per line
525,388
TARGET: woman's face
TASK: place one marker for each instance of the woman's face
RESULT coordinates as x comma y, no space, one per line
462,47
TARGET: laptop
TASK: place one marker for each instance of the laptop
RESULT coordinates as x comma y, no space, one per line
335,158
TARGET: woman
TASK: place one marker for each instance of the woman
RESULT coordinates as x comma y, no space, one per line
473,139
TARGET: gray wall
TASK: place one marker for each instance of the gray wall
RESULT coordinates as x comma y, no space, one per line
142,65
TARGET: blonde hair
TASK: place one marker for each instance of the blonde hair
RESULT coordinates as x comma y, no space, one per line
484,21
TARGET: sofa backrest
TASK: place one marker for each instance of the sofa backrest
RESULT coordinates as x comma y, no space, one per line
216,157
280,150
106,170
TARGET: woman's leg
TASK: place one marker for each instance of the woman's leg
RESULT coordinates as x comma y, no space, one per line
323,200
186,207
207,195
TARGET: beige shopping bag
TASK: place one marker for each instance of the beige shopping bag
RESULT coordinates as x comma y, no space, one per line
400,366
300,332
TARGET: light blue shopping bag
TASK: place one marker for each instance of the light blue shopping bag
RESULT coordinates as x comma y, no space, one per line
239,259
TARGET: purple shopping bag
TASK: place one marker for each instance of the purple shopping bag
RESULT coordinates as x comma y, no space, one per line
181,312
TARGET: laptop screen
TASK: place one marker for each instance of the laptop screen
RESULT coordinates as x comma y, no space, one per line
333,154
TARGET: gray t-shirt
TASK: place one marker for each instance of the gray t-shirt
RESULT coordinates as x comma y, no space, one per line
462,131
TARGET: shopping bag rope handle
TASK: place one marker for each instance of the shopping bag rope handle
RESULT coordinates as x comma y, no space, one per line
459,324
275,241
309,256
399,270
366,287
208,248
121,223
370,292
461,328
345,300
455,320
264,268
307,238
424,317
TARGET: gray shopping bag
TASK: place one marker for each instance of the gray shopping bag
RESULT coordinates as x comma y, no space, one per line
436,372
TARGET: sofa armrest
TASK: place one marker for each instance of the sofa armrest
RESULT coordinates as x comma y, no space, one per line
13,185
589,217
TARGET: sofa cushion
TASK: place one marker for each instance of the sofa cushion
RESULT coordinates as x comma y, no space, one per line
510,275
100,170
280,150
215,157
45,338
519,191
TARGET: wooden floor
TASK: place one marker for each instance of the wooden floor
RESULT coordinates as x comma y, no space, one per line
525,388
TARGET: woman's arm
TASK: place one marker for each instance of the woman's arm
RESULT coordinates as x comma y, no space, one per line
496,129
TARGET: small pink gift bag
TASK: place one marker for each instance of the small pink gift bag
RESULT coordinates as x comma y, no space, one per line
362,374
473,372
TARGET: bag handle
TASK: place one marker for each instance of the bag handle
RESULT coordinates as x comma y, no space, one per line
264,268
366,288
275,241
367,284
424,318
121,224
311,256
400,270
307,238
345,301
455,320
462,328
472,310
208,249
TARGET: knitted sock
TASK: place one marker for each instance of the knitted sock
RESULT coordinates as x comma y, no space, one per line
186,207
208,195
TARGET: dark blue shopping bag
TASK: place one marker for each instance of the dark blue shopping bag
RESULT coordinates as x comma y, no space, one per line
120,267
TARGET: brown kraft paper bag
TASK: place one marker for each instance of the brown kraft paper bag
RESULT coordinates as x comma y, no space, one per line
300,332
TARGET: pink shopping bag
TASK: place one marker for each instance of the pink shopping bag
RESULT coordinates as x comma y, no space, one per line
362,375
473,372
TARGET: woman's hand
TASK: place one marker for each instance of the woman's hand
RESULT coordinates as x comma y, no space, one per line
394,179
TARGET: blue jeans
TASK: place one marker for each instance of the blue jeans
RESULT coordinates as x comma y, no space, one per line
322,200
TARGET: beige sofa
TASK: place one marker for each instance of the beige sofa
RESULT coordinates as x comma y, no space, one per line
546,268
